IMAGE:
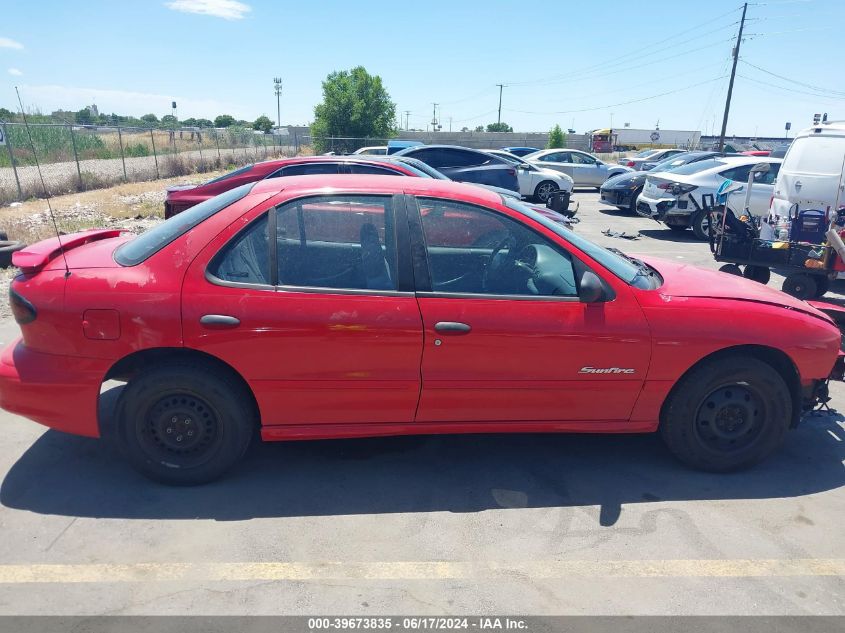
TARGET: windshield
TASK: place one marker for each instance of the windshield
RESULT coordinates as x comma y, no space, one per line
152,241
237,172
516,160
672,163
646,153
423,167
623,268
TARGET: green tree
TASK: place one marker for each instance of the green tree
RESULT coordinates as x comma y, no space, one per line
205,123
479,128
83,117
169,120
355,104
6,115
499,127
189,122
150,118
556,138
224,120
263,123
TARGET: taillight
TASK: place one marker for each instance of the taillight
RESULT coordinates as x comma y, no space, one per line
630,163
23,311
676,188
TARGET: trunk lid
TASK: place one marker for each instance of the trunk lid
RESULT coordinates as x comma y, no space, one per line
86,249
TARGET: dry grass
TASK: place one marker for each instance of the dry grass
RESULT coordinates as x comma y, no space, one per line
29,221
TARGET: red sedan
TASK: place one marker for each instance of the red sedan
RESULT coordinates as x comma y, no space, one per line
351,306
181,197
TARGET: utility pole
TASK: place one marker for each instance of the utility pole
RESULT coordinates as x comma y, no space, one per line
450,124
434,117
277,82
407,115
731,84
499,118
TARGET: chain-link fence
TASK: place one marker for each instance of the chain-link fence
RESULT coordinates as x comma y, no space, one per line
77,158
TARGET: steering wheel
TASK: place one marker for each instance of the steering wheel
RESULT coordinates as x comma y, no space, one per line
492,266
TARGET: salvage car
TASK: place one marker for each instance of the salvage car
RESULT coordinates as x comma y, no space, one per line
182,197
536,182
466,165
623,190
585,169
649,157
676,197
351,306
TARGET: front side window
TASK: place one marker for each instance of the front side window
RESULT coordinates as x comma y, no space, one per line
344,242
583,159
356,168
556,157
477,251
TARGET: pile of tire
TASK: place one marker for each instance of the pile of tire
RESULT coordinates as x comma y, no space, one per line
8,247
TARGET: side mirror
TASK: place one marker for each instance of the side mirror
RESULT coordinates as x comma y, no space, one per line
591,289
599,163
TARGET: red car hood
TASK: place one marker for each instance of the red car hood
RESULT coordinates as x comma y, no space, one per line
683,280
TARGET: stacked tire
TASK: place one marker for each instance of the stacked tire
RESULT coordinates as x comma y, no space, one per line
7,247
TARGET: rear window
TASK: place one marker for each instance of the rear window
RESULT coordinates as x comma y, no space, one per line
821,155
692,168
231,174
152,241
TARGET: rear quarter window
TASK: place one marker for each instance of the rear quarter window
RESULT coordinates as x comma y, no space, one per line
150,242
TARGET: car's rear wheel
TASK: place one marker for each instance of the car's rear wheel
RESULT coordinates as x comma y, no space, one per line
544,190
184,425
727,414
822,286
700,224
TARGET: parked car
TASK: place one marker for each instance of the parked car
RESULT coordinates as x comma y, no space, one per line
536,182
811,175
397,145
622,191
466,165
521,151
585,169
756,152
182,197
676,197
351,306
373,150
650,157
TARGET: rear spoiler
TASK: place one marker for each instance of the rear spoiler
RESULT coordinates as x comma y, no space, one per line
33,258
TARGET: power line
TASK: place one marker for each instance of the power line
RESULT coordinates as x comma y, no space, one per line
794,81
800,92
613,105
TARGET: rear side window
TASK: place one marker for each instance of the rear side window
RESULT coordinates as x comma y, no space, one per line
152,241
373,169
246,259
305,169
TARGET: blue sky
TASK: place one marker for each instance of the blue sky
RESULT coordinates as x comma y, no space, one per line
574,63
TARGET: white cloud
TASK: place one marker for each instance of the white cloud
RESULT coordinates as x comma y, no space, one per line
50,97
226,9
15,72
6,42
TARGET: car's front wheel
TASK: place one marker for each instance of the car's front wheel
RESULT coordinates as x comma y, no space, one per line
183,424
544,190
700,225
727,414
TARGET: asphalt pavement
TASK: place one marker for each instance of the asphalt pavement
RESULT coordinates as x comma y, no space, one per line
526,524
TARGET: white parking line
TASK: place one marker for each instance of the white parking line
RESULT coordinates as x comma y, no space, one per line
423,570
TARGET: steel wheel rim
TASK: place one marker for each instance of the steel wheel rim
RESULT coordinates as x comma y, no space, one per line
181,430
730,418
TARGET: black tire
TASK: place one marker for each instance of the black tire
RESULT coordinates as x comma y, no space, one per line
632,208
731,269
727,414
4,237
544,189
6,250
184,399
822,285
677,228
800,286
760,274
699,223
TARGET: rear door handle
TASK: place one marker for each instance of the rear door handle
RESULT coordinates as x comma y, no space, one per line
219,321
452,327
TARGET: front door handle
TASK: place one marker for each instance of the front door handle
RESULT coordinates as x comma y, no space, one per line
219,321
798,185
452,327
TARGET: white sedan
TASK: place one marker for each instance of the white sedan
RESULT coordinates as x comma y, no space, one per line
676,197
585,169
535,182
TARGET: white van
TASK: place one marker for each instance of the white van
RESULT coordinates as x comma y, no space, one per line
812,171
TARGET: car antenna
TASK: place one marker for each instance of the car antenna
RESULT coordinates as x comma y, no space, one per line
43,185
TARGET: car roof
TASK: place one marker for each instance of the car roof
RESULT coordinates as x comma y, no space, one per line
358,183
460,147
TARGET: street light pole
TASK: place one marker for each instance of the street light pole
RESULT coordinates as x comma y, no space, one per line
499,118
277,82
